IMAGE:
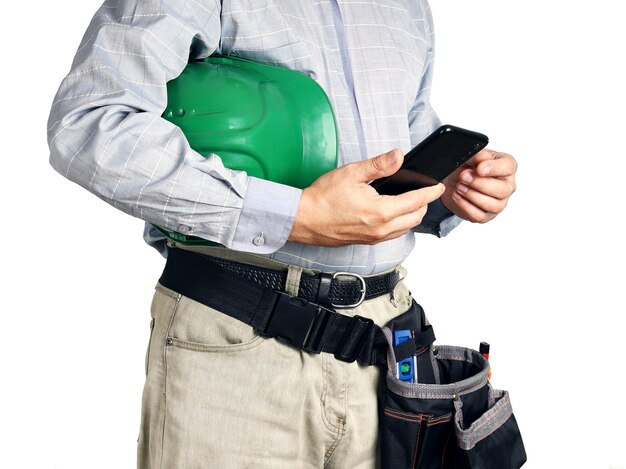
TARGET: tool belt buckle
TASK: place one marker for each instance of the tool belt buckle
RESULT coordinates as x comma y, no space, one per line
298,322
301,323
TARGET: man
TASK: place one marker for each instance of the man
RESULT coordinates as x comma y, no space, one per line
217,393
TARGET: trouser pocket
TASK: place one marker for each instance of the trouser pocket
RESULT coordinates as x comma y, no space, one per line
455,420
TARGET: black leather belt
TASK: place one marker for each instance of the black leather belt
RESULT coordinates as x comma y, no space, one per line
339,289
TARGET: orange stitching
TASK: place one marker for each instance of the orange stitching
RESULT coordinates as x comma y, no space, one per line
414,420
445,447
417,441
417,417
442,419
402,413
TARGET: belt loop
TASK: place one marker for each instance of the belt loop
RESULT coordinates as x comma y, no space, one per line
323,292
401,276
292,284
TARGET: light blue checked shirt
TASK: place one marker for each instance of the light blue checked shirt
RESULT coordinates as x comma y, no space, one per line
373,58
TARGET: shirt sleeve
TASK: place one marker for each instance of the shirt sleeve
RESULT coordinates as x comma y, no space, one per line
423,120
105,130
269,211
438,220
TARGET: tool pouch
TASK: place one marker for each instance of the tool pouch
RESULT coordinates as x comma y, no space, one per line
451,418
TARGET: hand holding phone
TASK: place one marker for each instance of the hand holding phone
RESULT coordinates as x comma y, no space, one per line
434,159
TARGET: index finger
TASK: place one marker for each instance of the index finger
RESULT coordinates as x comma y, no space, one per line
396,205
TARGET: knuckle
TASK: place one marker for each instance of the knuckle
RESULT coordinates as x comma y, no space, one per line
420,199
505,191
379,215
369,239
377,164
379,234
509,164
349,169
480,218
421,211
371,220
483,218
384,217
497,207
418,220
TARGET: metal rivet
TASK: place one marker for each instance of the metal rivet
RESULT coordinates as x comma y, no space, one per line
169,341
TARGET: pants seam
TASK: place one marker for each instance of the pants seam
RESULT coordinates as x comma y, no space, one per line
167,292
164,389
341,431
327,423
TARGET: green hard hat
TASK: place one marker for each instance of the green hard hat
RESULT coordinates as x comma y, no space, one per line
274,123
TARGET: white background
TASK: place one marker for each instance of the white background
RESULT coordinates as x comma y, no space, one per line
544,283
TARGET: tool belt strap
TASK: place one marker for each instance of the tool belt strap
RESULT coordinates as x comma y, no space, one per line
273,313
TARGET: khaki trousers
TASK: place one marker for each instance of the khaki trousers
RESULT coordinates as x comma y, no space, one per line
219,395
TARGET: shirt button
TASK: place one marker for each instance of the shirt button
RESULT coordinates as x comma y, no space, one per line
259,240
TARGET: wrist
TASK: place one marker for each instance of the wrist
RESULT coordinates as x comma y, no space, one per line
300,231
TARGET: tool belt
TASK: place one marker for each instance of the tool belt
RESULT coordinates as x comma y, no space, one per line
449,417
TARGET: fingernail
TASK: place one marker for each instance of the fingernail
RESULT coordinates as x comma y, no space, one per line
462,188
467,177
392,157
486,169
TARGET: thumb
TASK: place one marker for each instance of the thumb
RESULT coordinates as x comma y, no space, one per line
378,167
482,155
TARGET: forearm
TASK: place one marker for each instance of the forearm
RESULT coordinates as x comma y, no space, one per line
106,132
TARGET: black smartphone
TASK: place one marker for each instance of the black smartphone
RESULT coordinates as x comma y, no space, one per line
434,159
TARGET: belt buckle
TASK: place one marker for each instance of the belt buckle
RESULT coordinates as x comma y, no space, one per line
363,287
298,322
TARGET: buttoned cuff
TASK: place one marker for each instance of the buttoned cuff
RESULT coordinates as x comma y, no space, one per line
438,220
267,217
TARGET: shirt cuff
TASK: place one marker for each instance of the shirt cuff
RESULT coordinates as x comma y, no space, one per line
438,220
267,217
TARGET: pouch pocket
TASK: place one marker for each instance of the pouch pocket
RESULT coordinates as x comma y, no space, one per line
493,441
458,423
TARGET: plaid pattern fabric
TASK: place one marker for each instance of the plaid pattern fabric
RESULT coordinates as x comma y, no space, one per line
373,59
